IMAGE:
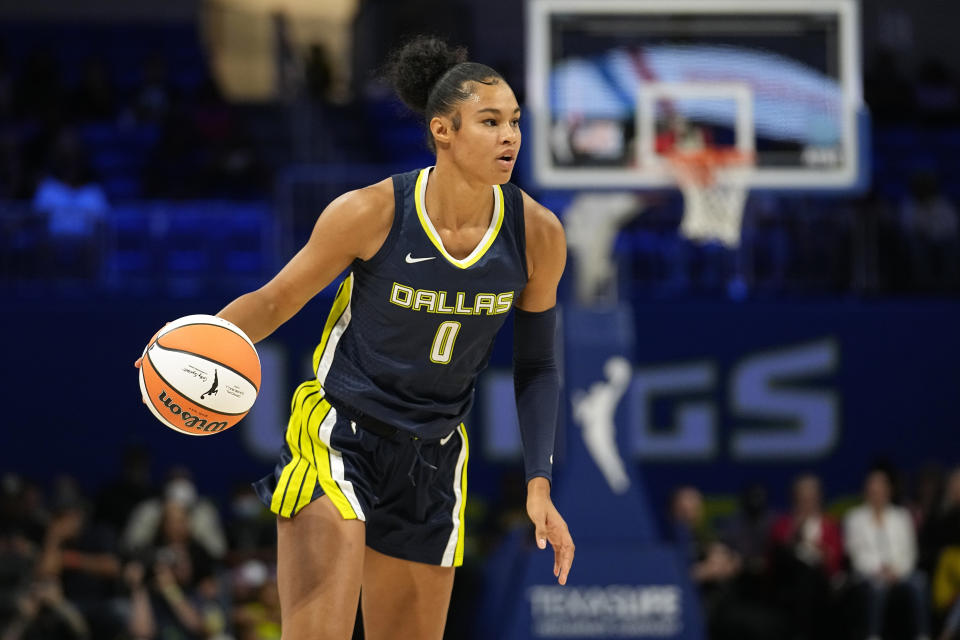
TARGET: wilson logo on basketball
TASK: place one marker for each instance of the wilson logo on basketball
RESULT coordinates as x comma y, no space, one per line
190,420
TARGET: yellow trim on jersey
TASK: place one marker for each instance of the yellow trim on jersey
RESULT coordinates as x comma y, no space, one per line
340,304
458,554
310,457
485,243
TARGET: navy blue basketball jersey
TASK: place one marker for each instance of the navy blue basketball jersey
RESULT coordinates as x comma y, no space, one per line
411,328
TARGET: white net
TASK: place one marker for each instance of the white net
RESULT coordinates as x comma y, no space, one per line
714,186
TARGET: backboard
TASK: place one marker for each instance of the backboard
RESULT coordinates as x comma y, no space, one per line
614,85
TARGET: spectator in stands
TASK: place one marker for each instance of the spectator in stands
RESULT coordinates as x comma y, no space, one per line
929,222
941,549
165,602
75,207
81,557
716,568
748,532
203,519
185,591
927,499
21,531
23,513
710,560
927,504
46,567
43,613
881,543
808,534
140,625
807,552
257,602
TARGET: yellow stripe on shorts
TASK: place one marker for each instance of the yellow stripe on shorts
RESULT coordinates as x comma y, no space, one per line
458,555
310,457
330,485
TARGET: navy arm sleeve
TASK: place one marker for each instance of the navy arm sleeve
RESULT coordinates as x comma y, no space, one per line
536,381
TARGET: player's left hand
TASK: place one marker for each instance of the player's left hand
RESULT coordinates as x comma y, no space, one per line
550,527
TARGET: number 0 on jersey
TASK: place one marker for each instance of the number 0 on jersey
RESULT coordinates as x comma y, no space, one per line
442,351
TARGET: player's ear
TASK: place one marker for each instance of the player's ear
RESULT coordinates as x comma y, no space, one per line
441,128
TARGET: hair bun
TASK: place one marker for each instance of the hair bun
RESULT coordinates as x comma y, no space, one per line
415,68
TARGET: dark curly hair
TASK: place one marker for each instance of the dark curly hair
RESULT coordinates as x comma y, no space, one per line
433,78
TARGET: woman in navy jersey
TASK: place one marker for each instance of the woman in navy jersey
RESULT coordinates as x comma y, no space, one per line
370,489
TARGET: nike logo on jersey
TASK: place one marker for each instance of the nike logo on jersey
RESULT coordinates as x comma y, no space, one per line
411,260
445,440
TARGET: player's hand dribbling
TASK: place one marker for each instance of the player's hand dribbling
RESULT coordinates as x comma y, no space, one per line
550,527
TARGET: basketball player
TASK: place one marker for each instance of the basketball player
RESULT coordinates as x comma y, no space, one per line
371,484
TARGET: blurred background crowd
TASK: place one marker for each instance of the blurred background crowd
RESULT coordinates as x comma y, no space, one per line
100,122
142,559
133,165
135,560
883,562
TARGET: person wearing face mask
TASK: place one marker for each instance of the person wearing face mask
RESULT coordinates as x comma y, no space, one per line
203,517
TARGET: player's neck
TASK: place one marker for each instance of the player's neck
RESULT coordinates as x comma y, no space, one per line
453,200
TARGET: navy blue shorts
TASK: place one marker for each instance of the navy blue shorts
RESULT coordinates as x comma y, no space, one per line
410,492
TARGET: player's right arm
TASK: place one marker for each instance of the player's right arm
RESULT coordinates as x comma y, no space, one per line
354,225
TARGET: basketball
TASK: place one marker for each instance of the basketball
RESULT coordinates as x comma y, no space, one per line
200,375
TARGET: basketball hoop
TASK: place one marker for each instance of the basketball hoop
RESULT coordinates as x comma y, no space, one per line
714,185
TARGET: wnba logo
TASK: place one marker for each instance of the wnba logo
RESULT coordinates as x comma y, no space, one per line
190,420
594,410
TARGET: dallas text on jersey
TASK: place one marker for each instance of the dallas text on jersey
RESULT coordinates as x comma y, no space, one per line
436,301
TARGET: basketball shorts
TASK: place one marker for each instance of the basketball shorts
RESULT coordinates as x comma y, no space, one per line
411,493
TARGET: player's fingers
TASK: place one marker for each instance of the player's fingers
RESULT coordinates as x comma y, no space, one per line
541,536
566,561
563,548
137,362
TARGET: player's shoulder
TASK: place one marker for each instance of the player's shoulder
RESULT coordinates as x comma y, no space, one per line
540,223
370,206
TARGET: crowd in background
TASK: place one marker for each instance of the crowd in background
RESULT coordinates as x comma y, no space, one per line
132,559
73,147
197,146
887,565
135,561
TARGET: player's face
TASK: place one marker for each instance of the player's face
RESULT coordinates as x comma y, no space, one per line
488,140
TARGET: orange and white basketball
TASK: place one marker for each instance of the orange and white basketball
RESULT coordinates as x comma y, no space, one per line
200,375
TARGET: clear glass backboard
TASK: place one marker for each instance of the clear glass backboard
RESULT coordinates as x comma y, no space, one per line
616,86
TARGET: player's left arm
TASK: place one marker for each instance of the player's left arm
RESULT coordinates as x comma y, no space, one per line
537,379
